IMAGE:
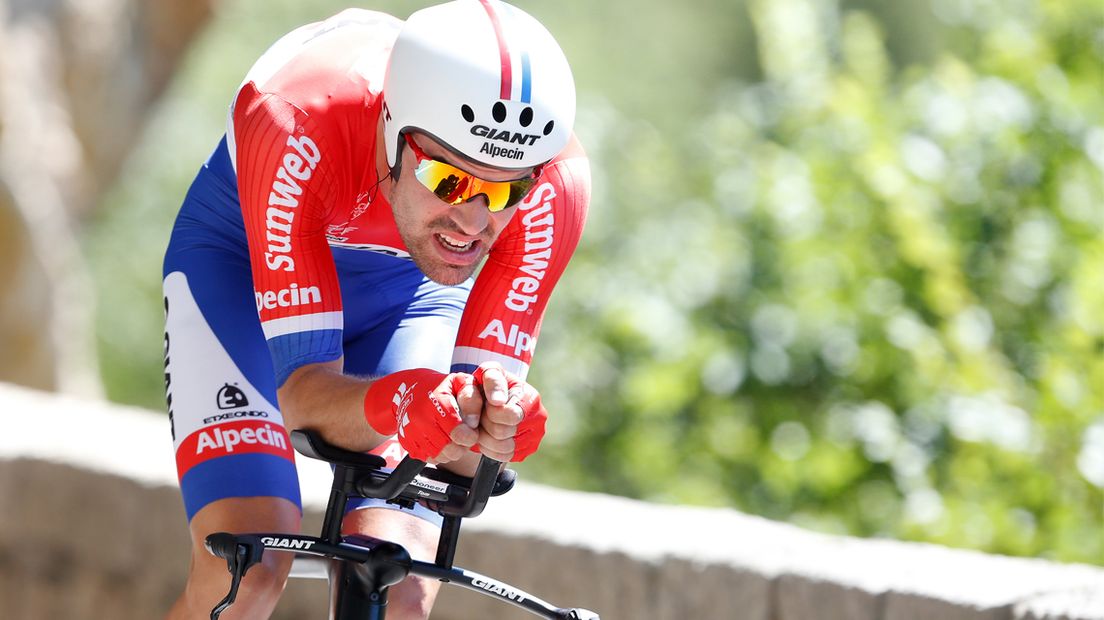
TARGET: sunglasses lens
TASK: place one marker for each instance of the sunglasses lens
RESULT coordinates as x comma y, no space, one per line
502,194
519,189
497,194
446,183
454,186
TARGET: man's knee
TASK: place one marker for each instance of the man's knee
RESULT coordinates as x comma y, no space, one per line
412,599
260,589
209,579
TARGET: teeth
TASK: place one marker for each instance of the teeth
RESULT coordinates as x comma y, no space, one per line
453,243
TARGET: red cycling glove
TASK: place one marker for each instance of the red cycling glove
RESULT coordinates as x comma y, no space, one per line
530,430
418,404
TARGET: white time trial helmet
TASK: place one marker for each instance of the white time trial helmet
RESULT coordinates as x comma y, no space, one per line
485,79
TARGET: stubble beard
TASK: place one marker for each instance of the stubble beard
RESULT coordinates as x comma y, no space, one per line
437,270
417,236
427,259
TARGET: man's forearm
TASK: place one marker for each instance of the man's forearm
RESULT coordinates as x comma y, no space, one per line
321,398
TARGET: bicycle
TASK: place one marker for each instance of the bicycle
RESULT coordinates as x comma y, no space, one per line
362,569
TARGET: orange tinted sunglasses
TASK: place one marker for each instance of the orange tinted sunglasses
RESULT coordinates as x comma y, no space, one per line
454,186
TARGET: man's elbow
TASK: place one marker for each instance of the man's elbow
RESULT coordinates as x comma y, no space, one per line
302,392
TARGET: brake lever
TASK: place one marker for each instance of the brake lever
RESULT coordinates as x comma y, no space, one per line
241,553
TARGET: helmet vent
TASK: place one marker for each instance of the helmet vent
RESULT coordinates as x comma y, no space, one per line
548,127
499,112
467,113
526,117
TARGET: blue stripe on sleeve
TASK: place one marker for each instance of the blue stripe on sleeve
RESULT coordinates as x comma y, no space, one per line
290,351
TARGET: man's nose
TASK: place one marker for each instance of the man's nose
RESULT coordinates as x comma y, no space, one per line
472,216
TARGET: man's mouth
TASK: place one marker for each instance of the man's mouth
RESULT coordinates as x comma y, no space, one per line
458,252
454,244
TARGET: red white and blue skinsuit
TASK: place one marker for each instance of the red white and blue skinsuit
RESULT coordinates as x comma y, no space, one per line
285,253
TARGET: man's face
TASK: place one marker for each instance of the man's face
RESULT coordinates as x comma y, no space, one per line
447,242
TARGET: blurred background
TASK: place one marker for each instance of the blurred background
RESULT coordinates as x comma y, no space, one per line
844,265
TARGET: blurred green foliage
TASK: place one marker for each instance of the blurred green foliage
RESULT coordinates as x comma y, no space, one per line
844,264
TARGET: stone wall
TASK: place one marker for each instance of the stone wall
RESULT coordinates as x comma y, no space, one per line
91,526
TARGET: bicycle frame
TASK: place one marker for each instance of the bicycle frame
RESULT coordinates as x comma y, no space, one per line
362,569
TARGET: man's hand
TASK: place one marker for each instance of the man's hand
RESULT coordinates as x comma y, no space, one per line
512,424
440,418
423,406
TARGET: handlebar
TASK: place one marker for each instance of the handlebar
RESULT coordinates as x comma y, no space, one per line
391,486
384,562
444,492
481,487
375,564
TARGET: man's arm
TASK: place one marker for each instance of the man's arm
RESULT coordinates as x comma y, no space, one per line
502,319
320,397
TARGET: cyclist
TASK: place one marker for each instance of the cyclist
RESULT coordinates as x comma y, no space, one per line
320,273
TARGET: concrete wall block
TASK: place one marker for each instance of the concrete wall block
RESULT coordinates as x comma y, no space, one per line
801,597
56,585
10,519
98,544
11,600
708,591
910,606
1083,603
58,502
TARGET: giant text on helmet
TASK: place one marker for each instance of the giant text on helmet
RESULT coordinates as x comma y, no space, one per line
298,165
506,136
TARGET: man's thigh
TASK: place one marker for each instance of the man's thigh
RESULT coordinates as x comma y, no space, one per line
228,432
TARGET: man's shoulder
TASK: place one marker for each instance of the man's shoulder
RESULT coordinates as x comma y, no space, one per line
569,173
338,60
